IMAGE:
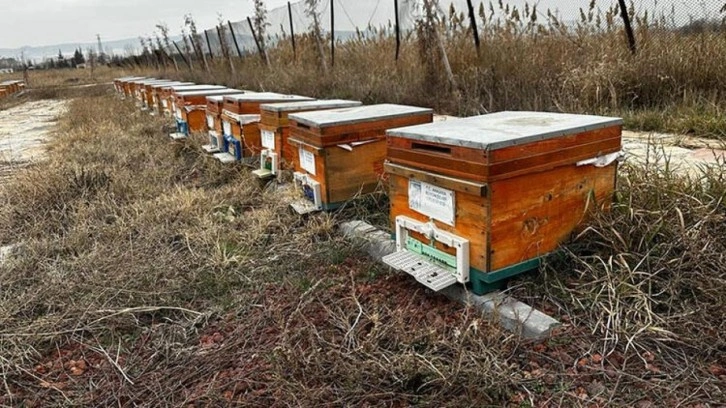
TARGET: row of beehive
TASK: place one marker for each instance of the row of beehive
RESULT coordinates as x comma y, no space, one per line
474,200
11,87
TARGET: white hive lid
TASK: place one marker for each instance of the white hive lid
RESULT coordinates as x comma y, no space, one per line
310,105
359,114
502,129
267,97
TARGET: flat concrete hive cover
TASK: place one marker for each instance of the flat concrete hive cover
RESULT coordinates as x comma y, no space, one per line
128,78
155,81
359,114
180,88
267,97
221,92
156,85
502,129
220,98
310,105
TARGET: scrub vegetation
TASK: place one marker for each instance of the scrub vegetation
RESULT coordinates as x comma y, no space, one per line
145,273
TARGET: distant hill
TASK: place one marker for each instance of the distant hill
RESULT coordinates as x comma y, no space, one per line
38,54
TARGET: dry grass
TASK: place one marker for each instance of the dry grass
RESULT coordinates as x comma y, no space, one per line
675,83
143,258
148,274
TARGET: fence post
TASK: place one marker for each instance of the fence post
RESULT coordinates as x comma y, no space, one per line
182,55
209,46
398,30
257,42
628,27
225,50
234,37
332,33
292,30
474,29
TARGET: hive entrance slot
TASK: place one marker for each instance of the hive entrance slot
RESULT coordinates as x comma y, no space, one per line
431,148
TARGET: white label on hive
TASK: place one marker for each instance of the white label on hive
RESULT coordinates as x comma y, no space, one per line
307,161
435,202
210,121
268,139
227,127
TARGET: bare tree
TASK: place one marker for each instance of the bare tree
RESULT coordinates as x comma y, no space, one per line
196,38
187,48
164,31
260,25
311,10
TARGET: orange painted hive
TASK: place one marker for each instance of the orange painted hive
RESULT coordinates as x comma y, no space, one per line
135,88
190,107
277,154
127,86
153,90
166,94
341,151
481,199
143,94
214,122
240,119
120,83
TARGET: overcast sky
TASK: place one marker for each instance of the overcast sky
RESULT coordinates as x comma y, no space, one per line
48,22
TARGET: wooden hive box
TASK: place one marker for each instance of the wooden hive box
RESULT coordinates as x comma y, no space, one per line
168,99
145,95
11,87
240,118
276,153
214,122
128,86
341,151
135,88
190,108
145,91
484,198
153,94
120,83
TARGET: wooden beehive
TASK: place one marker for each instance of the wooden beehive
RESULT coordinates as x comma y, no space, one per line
126,86
166,94
341,151
277,154
135,88
121,84
190,108
153,98
214,123
240,118
143,91
12,86
482,199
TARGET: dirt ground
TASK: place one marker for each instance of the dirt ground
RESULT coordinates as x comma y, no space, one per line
23,131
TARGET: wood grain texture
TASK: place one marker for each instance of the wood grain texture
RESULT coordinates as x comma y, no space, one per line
536,195
470,220
532,214
351,173
485,166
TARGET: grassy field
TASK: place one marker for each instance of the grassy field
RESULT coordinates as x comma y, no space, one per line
149,274
674,83
146,273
